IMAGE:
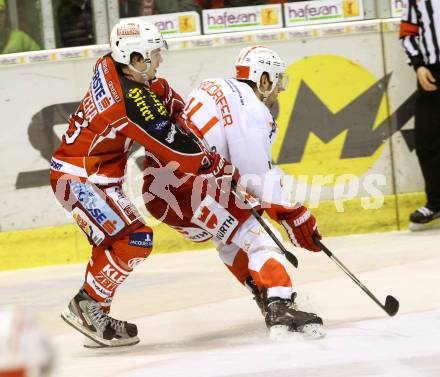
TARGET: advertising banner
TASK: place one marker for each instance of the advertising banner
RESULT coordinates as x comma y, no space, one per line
242,18
173,25
322,11
336,122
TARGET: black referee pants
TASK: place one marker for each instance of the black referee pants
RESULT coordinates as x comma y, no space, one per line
427,139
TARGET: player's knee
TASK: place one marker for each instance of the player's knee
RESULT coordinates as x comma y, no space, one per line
254,238
135,247
259,246
227,253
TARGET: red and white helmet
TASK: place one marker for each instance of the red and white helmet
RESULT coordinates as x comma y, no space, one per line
253,61
135,35
25,350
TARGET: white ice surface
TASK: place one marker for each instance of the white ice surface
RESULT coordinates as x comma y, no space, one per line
195,320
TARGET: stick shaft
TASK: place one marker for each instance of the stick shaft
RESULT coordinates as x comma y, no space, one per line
351,275
290,257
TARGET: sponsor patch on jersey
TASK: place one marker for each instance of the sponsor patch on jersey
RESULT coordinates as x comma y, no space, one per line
55,165
100,211
100,91
110,277
161,125
87,226
90,110
194,234
131,212
140,100
125,204
215,219
132,263
171,134
141,239
147,104
113,91
128,30
98,288
105,66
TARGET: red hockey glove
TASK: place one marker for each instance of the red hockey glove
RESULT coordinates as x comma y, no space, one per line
221,170
300,226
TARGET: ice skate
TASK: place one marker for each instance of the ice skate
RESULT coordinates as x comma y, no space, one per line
86,316
258,296
126,335
282,319
424,218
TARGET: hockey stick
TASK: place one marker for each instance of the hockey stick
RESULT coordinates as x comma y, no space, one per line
391,306
289,256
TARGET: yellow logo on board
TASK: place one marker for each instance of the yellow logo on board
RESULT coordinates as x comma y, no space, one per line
350,8
269,16
187,24
332,118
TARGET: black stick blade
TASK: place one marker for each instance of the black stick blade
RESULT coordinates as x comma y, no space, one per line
391,305
292,259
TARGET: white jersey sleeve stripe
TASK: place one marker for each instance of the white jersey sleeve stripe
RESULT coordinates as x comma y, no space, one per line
209,124
196,108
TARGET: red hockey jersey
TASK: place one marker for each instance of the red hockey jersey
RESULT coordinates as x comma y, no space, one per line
114,113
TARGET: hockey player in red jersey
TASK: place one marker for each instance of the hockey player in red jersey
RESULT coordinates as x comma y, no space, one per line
232,117
124,103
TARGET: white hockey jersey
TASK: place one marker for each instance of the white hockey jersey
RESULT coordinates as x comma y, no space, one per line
236,124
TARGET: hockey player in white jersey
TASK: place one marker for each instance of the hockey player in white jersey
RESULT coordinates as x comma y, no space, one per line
232,117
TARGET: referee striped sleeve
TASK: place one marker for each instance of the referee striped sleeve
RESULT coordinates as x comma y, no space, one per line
419,31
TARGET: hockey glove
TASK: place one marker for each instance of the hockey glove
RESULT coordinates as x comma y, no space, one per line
221,171
300,225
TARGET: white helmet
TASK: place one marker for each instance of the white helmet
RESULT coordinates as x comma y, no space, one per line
253,61
135,35
24,348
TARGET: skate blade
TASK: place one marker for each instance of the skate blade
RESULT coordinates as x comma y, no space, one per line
89,343
416,227
312,331
73,321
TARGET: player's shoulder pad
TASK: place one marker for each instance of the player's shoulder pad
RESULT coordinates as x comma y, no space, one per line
160,86
104,87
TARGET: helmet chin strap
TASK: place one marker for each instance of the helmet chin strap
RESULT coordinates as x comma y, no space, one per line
143,73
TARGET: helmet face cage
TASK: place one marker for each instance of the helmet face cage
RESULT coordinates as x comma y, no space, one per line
253,61
156,54
134,35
